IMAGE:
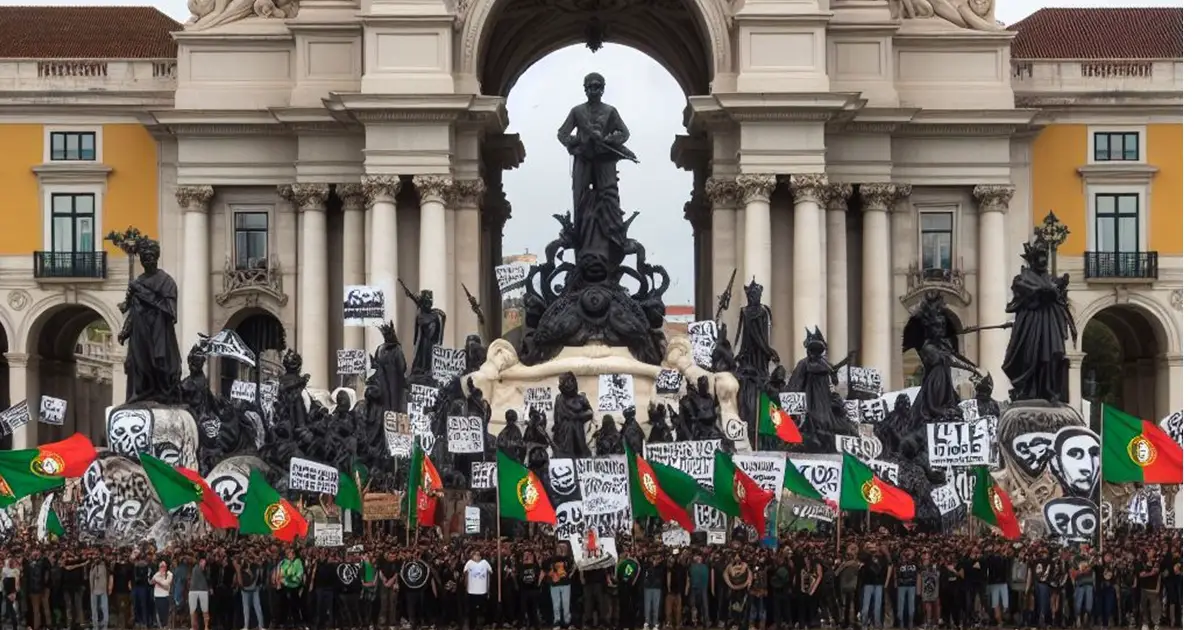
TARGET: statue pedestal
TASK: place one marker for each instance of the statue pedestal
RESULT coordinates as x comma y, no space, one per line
168,432
503,379
1025,435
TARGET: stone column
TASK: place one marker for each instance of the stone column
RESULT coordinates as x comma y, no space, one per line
384,269
313,331
119,379
432,273
1074,381
837,331
354,260
823,299
877,346
723,195
993,282
195,304
468,195
756,192
807,253
22,372
1169,383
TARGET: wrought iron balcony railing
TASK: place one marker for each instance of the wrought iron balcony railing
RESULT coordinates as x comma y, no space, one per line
1120,265
68,265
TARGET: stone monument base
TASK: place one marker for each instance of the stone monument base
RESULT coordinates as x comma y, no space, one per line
168,432
1030,494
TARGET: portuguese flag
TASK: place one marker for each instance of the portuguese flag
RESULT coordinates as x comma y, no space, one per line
180,486
799,485
1138,451
424,484
33,470
864,491
660,490
738,495
991,504
521,494
773,420
267,513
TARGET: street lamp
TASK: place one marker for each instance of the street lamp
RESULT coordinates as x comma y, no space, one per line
127,242
1055,233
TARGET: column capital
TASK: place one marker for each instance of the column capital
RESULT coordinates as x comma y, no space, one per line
433,187
881,197
467,192
836,195
353,195
310,197
381,187
755,187
993,198
194,198
1170,359
808,187
16,359
722,191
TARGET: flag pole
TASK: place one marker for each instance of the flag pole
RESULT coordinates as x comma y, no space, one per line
499,550
1100,481
837,543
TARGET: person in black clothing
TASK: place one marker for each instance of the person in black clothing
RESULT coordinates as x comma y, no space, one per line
37,585
529,584
974,584
906,590
996,568
226,598
952,592
121,602
10,585
72,588
629,582
451,581
349,591
324,584
414,574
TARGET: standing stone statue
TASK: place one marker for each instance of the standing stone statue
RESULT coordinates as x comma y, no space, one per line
596,146
428,329
754,333
152,362
1036,360
572,413
390,367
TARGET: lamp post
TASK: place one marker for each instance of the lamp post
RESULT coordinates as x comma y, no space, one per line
128,242
1055,233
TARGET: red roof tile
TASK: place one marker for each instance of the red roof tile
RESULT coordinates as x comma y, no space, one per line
86,33
1100,33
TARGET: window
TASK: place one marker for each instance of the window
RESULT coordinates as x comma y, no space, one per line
72,146
1122,146
937,237
1117,221
250,239
72,222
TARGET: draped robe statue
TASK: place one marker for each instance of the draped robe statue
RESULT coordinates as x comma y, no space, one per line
152,362
1036,359
390,367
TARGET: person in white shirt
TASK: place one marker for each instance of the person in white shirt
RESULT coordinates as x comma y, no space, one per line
478,573
162,593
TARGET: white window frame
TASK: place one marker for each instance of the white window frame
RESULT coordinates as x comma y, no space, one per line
252,208
48,191
1143,194
955,224
1091,143
46,145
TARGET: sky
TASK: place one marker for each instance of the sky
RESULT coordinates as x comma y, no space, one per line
651,104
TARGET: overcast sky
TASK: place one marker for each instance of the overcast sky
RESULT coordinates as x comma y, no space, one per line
650,102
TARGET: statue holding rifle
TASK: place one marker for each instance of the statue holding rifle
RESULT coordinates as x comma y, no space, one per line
428,329
152,362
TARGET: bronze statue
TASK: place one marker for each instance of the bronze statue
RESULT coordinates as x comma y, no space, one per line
152,362
535,432
754,333
608,438
572,413
631,432
927,332
815,377
428,328
660,431
510,441
390,367
1036,360
698,409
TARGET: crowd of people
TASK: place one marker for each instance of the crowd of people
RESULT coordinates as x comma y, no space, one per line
879,580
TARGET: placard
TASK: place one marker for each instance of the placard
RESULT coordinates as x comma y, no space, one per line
668,382
1173,425
15,416
616,393
865,448
483,475
327,534
540,398
823,471
420,426
887,471
380,506
813,511
448,363
425,396
464,434
53,410
397,433
270,392
861,381
362,306
243,390
309,476
957,443
946,498
228,344
570,521
472,519
603,484
676,537
793,404
716,538
703,335
766,469
970,409
351,362
510,279
963,481
867,412
602,556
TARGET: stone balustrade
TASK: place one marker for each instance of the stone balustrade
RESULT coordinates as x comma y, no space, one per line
1034,76
63,75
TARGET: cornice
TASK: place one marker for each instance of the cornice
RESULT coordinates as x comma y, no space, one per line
1117,173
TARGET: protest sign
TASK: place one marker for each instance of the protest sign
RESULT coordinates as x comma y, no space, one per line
309,476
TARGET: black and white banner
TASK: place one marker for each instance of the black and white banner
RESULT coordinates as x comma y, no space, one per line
703,335
510,279
540,398
53,410
958,443
270,392
15,416
793,404
1173,425
603,484
309,476
616,393
696,459
327,534
228,344
572,522
483,475
362,306
963,482
824,472
424,396
865,448
471,519
869,411
351,362
243,390
766,469
946,498
464,434
861,381
397,433
448,363
970,409
421,427
668,383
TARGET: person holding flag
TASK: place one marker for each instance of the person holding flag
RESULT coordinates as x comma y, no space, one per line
424,487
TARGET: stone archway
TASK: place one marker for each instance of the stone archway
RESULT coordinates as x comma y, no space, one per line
73,352
1123,347
261,330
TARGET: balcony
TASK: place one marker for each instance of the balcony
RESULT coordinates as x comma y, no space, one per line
952,282
70,265
1033,77
249,284
1123,266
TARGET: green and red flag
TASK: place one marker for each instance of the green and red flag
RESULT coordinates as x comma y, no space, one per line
424,486
659,490
991,504
269,514
349,496
737,494
1138,451
864,491
522,495
773,420
178,486
32,470
795,482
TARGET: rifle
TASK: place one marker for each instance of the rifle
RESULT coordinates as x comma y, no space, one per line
407,292
474,306
723,300
971,329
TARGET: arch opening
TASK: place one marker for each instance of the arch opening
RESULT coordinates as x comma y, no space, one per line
1122,347
73,352
262,331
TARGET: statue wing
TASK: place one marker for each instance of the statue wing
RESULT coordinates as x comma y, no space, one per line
914,334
